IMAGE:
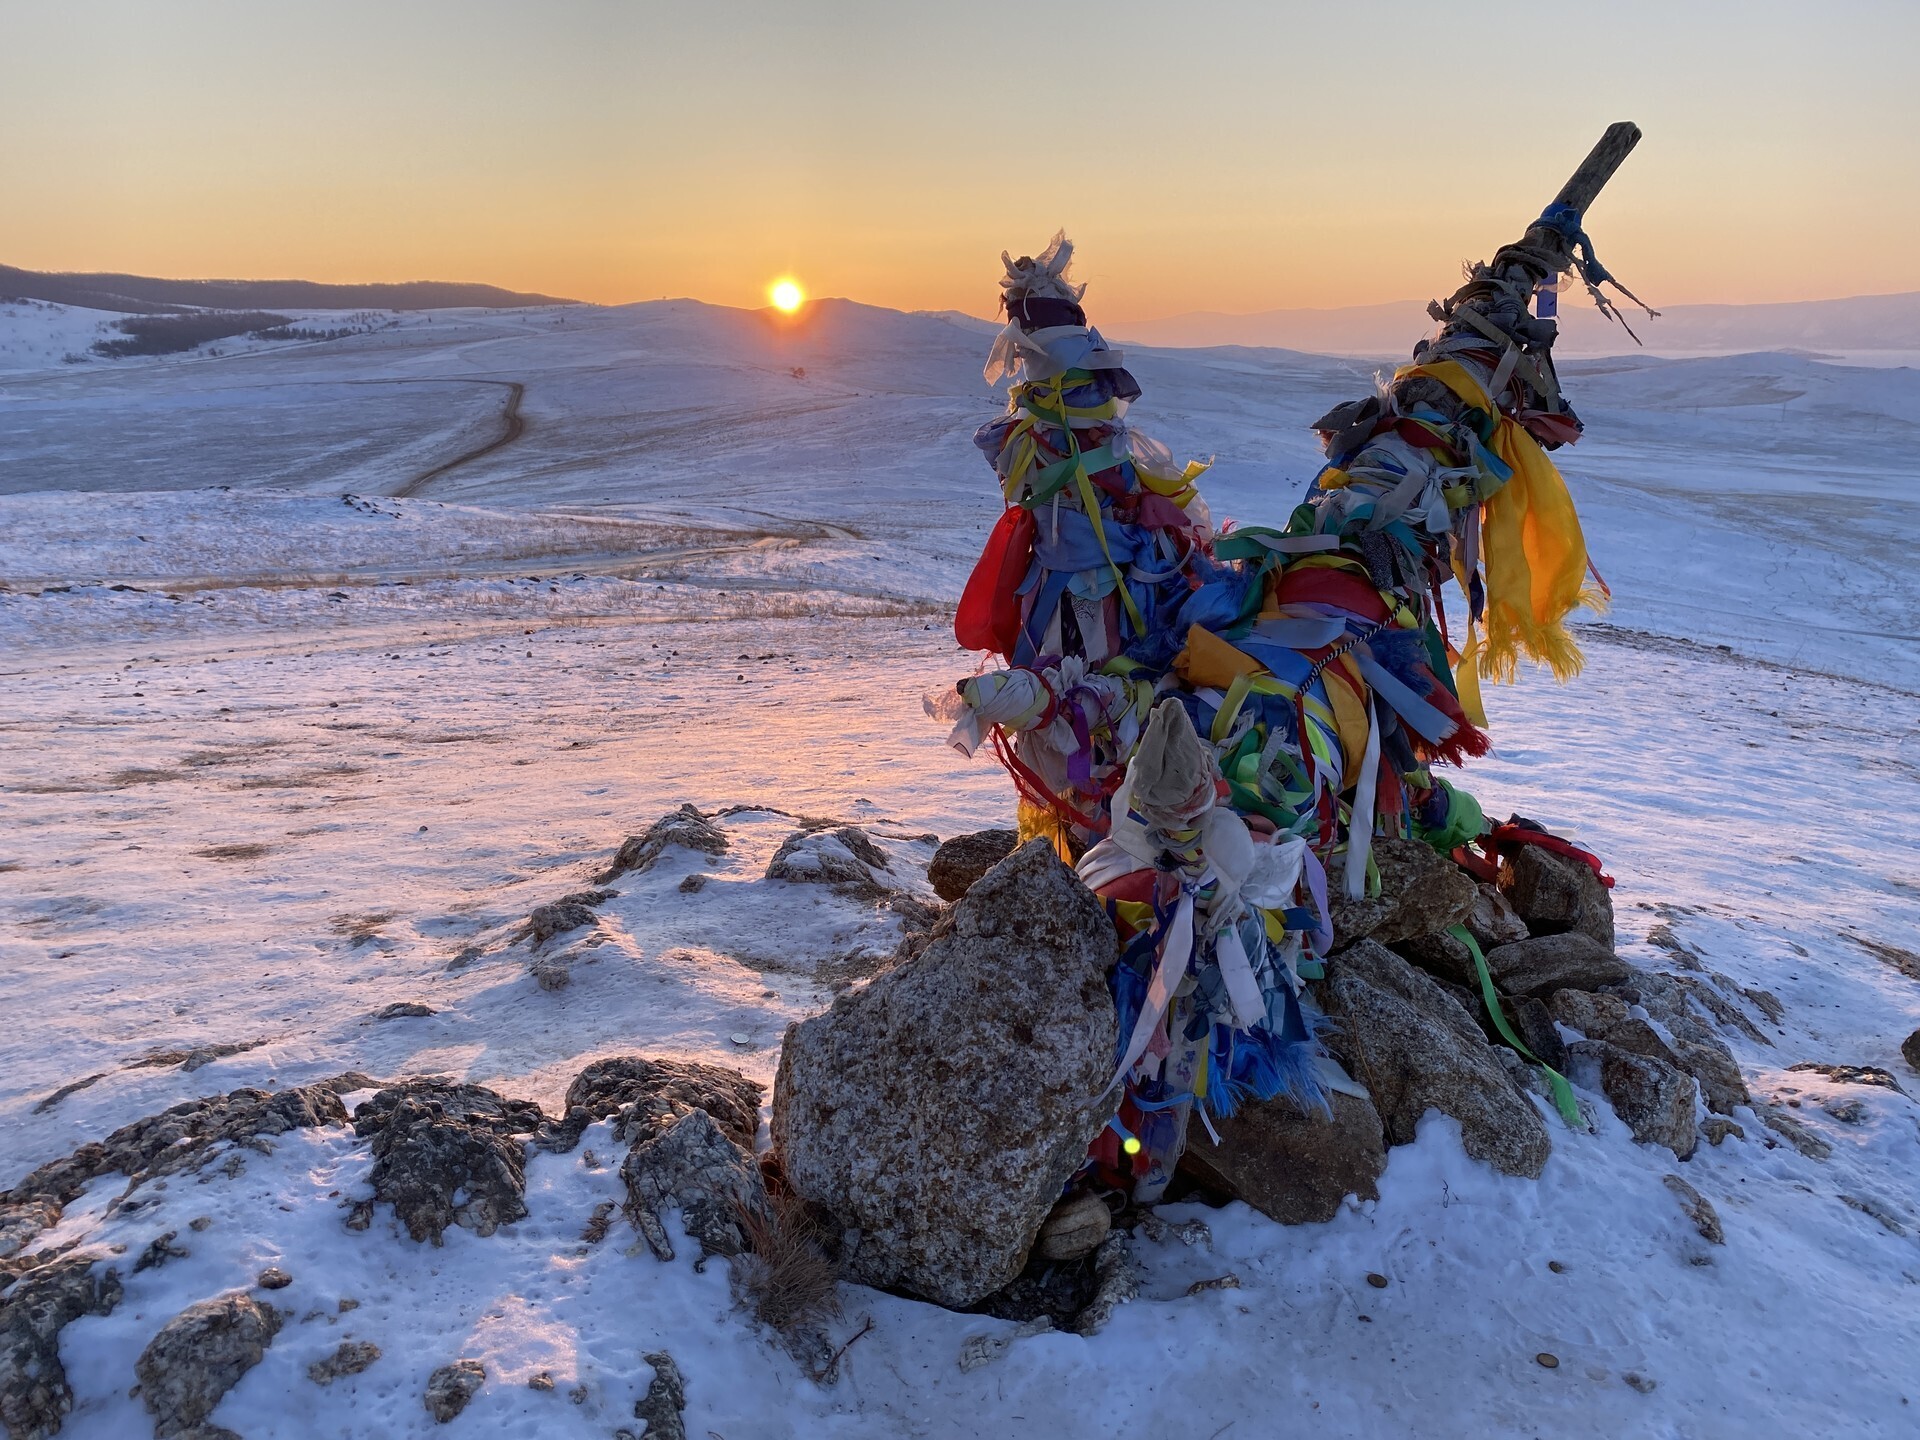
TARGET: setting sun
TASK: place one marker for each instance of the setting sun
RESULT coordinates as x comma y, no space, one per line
786,296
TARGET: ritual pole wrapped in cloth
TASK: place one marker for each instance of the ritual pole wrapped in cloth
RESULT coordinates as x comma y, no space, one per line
1215,726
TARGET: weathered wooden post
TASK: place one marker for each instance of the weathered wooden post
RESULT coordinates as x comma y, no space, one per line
1494,303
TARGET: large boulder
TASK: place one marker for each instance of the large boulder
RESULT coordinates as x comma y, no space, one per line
201,1354
965,858
1712,1064
1546,963
1415,1049
937,1111
1555,895
1910,1049
1443,956
1532,1023
34,1394
1292,1165
1421,893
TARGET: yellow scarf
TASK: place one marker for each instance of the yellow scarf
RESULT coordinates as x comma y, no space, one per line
1535,553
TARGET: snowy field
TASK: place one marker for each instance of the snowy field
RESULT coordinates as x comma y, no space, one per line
325,663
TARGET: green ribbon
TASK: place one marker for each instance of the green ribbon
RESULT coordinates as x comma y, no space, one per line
1556,1082
1050,479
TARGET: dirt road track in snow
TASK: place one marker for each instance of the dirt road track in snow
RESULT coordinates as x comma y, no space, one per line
512,427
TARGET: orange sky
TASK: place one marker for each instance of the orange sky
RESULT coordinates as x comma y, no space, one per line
1223,156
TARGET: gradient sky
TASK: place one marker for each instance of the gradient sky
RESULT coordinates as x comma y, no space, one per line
1236,155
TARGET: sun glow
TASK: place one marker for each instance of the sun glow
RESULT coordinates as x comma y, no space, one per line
786,296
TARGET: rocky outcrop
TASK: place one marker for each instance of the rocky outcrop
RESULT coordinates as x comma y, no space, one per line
22,1220
1910,1049
692,1163
1694,1048
1416,1049
644,1096
34,1394
664,1401
1543,964
1851,1074
845,858
937,1111
1653,1097
1421,893
181,1136
687,827
201,1354
965,858
448,1154
1555,895
1699,1209
569,912
690,1129
351,1358
403,1010
1291,1165
451,1386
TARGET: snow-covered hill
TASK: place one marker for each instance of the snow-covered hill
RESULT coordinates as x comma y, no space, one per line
280,757
1764,500
1875,329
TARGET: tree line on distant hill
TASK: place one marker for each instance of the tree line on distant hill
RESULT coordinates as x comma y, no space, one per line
169,334
144,295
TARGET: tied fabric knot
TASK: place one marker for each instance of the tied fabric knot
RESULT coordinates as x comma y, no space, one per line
1567,222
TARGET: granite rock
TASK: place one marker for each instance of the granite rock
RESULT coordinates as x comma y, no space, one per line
937,1111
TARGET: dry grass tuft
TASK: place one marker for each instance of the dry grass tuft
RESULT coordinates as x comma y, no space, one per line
786,1279
358,930
234,852
120,779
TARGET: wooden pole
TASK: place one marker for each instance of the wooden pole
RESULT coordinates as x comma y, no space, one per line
1494,304
1598,167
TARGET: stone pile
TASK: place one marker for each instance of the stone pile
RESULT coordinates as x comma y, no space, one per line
1411,1027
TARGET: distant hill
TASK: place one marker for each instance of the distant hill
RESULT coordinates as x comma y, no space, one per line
1862,323
144,295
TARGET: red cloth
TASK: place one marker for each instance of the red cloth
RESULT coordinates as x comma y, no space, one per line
1318,585
988,617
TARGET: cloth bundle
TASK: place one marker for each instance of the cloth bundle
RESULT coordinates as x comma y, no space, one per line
1215,726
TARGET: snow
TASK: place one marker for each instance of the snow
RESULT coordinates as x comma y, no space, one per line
1861,329
327,753
38,335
